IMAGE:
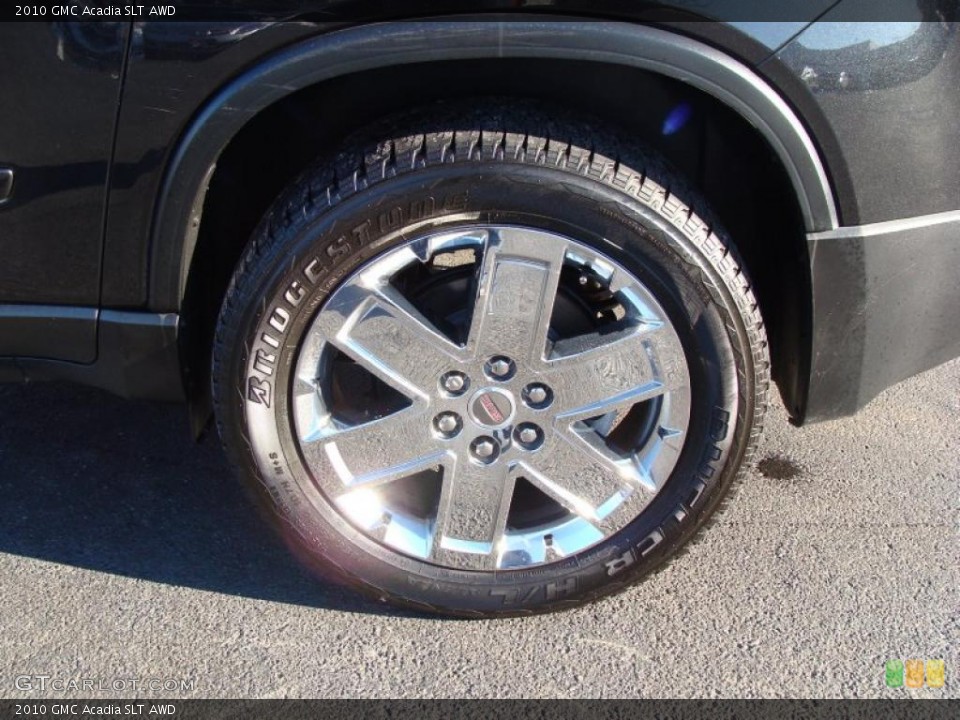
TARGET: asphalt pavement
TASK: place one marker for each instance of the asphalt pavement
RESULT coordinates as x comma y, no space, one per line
128,552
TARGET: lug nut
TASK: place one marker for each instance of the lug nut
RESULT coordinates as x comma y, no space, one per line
500,367
537,396
447,424
454,382
485,449
529,436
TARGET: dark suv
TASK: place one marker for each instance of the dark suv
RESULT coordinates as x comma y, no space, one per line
485,306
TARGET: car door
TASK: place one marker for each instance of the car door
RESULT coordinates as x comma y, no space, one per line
59,90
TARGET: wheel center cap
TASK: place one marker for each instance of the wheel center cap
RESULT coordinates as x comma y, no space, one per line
492,408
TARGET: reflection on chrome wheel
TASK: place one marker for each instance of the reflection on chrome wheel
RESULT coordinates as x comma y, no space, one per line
593,423
485,371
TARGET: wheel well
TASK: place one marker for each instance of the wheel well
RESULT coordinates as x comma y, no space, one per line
716,149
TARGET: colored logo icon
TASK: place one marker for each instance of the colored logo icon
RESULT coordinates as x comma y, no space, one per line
935,673
897,673
893,674
914,673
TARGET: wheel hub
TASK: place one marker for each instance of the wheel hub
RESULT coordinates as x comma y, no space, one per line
492,408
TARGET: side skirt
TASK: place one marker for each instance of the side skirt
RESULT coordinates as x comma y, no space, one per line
136,353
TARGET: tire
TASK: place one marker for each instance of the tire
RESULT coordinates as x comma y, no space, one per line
306,357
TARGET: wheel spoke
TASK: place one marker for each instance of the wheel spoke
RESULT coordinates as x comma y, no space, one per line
658,458
365,506
379,451
383,332
515,295
594,374
586,483
472,514
630,467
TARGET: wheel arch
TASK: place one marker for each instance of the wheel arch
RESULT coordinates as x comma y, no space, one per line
349,53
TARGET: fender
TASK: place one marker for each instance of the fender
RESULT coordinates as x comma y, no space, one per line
177,215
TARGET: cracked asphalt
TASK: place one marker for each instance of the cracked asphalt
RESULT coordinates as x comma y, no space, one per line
127,551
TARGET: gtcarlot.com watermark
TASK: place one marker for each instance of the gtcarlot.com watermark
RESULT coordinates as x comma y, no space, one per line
48,683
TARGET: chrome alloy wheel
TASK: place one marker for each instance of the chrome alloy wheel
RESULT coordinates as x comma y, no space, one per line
524,444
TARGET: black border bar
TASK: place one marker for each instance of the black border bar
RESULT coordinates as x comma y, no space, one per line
481,709
354,11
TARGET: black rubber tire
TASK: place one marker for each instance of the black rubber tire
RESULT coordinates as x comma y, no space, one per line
512,165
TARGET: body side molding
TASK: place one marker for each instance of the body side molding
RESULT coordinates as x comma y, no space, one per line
57,332
885,300
886,227
136,356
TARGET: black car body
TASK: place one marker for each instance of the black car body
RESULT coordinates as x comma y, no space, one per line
114,132
136,158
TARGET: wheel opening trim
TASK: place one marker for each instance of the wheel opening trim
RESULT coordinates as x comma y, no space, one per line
344,52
